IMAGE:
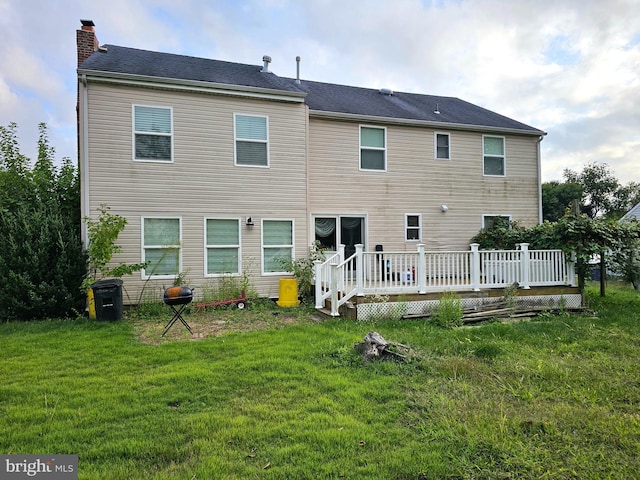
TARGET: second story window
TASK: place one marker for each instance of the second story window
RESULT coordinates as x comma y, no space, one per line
251,140
152,131
373,148
442,146
494,162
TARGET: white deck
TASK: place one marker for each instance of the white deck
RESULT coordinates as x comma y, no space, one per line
371,273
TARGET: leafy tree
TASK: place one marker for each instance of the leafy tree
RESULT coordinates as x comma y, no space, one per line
103,233
599,188
626,259
626,197
15,184
42,262
501,235
575,234
557,198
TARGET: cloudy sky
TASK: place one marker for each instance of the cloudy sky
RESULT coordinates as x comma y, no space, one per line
568,67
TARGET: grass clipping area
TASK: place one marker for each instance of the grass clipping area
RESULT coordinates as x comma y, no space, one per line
554,398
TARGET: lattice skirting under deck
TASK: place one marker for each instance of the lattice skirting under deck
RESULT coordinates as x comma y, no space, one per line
368,311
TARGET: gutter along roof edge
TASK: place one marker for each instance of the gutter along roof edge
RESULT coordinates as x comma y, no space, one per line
422,123
191,85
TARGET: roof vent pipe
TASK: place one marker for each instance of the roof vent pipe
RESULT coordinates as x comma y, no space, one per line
267,60
298,69
386,91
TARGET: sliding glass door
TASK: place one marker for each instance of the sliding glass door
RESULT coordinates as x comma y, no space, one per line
331,231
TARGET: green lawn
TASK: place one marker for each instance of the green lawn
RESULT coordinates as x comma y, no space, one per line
558,397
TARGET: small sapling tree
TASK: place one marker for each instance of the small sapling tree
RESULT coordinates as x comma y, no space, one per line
103,233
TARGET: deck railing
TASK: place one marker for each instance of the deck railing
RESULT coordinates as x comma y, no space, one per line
364,273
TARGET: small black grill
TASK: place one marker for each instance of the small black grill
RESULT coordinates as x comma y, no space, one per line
178,297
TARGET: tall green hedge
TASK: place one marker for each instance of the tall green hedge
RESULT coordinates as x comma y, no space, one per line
42,262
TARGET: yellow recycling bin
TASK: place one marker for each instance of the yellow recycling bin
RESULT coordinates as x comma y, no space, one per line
288,293
91,304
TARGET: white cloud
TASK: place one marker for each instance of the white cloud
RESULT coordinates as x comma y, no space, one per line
569,67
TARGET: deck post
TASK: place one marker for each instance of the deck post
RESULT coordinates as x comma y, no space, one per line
571,270
524,264
475,267
421,273
334,290
360,270
340,284
317,268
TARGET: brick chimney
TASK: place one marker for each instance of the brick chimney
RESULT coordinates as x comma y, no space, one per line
86,40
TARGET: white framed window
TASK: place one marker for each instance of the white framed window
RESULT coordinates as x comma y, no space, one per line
442,146
251,134
490,220
277,245
413,227
222,246
161,240
373,148
494,160
152,133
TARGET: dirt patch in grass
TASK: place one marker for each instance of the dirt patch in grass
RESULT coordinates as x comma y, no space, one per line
218,322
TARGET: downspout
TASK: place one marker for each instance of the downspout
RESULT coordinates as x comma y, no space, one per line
310,225
84,157
538,156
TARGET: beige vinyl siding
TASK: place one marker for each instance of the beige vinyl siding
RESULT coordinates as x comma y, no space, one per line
415,182
202,181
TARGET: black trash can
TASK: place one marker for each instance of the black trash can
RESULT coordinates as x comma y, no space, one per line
107,296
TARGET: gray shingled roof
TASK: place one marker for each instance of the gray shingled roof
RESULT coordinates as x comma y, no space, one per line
132,61
320,97
328,97
633,213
